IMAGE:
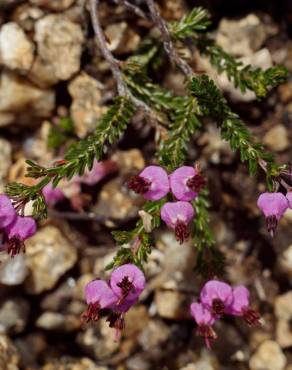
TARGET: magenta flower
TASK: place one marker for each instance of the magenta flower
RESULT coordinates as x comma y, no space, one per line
289,198
98,296
127,282
152,182
273,206
52,195
217,297
240,306
177,216
205,320
98,172
7,211
186,182
17,232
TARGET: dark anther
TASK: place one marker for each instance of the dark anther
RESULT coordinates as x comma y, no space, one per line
181,232
139,185
92,313
196,183
271,223
218,307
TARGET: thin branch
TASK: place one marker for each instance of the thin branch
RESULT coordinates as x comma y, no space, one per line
167,41
114,66
114,63
133,8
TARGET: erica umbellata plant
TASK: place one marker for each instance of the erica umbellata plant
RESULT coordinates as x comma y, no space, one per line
175,190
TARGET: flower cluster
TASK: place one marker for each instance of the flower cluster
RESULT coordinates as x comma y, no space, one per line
114,298
216,299
185,183
14,229
274,205
72,189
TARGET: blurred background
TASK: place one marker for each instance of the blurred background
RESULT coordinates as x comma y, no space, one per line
54,85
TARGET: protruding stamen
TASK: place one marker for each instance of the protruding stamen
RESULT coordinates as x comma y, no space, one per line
181,232
116,320
251,316
208,333
14,246
92,313
271,223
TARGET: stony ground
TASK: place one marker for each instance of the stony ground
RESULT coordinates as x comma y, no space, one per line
50,69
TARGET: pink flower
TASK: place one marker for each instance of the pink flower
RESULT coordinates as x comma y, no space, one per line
152,182
98,296
7,211
177,216
289,198
205,320
240,306
52,195
98,171
186,182
127,282
17,232
273,206
217,297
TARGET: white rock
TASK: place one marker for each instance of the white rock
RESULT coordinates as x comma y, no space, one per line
85,109
283,312
243,37
59,44
5,161
16,49
48,255
22,101
268,356
285,261
277,138
55,5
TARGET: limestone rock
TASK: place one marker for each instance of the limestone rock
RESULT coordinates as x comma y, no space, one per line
73,364
98,341
23,102
268,356
42,73
9,357
13,271
85,109
121,204
55,5
285,261
5,161
172,304
26,15
57,321
277,138
49,255
121,38
283,312
59,44
245,36
13,315
16,49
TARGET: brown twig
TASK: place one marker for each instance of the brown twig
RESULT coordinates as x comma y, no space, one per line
114,63
114,66
133,8
167,41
